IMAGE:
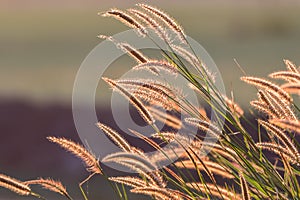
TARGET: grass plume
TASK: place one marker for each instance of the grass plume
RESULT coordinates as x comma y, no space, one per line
14,185
89,159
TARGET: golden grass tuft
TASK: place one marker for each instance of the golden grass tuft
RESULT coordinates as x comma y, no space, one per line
291,66
158,65
169,21
245,188
126,19
138,163
151,23
88,158
291,88
133,100
215,190
14,185
51,185
262,83
116,137
161,193
292,125
213,167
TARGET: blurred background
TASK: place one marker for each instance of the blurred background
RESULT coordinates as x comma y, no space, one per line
42,44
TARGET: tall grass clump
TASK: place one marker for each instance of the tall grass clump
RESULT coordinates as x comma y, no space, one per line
235,166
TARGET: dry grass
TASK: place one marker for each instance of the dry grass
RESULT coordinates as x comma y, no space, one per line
235,166
14,185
